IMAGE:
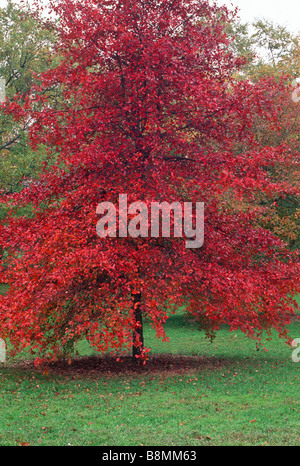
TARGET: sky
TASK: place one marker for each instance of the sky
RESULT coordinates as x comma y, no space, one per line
283,12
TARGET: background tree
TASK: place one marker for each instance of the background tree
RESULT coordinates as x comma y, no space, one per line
25,51
157,113
273,51
268,48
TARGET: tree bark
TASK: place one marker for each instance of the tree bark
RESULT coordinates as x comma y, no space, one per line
138,331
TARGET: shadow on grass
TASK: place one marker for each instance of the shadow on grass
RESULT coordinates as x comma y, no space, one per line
162,364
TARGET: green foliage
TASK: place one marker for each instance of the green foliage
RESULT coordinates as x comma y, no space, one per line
267,47
274,41
25,51
243,43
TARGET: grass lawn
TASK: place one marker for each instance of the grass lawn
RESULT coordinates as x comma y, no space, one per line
220,393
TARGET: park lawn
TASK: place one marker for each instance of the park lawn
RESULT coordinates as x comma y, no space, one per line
220,393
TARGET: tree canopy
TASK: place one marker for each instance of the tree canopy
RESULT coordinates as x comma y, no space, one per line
150,107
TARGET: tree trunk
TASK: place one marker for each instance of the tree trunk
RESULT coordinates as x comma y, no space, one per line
138,331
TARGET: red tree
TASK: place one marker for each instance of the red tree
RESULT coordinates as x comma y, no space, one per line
150,109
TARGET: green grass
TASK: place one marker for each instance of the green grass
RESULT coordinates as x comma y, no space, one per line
3,288
237,396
